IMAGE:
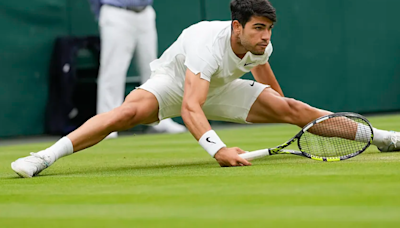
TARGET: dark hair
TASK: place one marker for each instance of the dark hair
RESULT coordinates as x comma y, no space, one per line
243,10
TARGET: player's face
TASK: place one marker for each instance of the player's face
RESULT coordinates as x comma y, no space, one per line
256,35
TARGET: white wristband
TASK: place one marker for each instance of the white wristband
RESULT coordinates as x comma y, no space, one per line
211,142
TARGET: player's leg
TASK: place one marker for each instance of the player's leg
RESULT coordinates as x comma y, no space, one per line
270,107
140,107
117,47
243,101
146,52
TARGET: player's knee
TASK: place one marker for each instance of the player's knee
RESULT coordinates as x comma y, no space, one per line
122,117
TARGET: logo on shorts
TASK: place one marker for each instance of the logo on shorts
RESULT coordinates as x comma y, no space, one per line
208,140
252,84
246,64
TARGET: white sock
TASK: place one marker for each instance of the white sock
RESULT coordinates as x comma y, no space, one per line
363,133
61,148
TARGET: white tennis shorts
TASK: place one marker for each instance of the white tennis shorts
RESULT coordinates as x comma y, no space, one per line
231,102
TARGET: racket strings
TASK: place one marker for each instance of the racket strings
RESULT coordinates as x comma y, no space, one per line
336,137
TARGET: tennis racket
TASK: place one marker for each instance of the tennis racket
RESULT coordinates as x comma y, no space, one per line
334,137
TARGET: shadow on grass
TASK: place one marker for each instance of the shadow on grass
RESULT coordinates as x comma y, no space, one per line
145,167
65,172
94,169
282,159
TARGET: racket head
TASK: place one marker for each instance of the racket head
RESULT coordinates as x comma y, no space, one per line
335,137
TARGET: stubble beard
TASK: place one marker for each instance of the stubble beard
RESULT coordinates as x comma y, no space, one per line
249,47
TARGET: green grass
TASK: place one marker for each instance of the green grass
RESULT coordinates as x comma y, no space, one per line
169,181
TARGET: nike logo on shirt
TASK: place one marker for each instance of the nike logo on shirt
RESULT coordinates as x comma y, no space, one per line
246,64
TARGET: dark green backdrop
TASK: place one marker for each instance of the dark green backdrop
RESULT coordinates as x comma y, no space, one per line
341,55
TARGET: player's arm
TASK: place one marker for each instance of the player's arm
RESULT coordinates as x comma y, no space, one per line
264,74
194,96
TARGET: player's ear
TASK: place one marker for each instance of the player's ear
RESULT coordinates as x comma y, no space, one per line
236,27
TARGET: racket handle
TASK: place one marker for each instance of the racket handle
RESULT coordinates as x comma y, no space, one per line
255,154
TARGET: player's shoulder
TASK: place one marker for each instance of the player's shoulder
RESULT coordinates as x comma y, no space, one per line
208,33
213,24
206,39
208,27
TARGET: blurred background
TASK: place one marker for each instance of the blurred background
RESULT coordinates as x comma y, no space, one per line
341,55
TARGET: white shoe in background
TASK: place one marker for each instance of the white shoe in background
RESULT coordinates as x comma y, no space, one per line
112,135
169,126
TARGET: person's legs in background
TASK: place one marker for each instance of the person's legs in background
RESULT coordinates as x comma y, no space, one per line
117,33
146,52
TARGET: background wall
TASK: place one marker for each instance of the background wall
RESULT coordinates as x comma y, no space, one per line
27,34
339,55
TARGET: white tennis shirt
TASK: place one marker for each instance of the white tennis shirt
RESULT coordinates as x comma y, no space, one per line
205,48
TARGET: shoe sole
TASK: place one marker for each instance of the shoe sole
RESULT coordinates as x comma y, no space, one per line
20,172
387,150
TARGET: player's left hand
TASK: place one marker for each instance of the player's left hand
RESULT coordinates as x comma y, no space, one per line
227,157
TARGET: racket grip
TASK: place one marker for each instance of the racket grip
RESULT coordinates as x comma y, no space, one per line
255,154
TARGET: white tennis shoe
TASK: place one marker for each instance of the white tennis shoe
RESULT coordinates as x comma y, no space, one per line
169,126
29,166
392,143
112,135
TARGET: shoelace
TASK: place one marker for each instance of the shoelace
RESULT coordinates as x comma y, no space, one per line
38,156
394,138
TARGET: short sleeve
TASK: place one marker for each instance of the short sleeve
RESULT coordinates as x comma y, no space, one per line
201,60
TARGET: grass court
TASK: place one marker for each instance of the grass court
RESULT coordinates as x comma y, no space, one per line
170,181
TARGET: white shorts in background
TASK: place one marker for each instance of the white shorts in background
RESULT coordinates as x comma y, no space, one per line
231,102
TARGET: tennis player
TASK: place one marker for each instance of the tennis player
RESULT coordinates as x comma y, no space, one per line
198,77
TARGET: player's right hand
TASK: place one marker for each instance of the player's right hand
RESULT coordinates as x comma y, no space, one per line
227,157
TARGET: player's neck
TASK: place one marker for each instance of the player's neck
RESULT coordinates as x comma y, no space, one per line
237,48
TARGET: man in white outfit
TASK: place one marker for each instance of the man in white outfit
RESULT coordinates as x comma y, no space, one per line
198,77
127,29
